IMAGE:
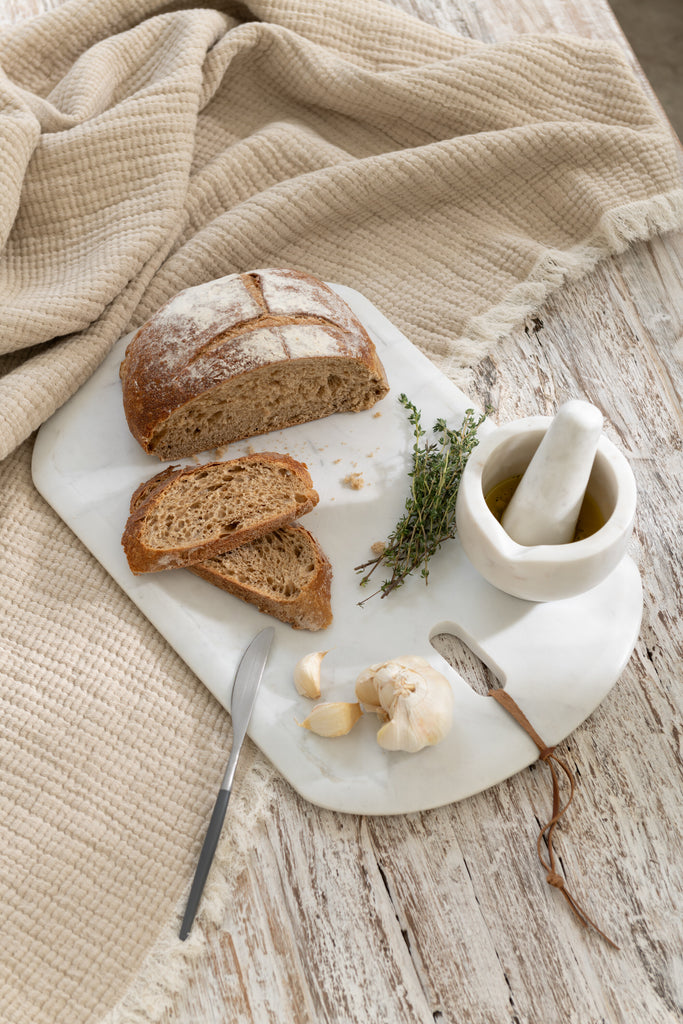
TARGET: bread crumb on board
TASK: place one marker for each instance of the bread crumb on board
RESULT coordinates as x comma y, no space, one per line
376,415
354,481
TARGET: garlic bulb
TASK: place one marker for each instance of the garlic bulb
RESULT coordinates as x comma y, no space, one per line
333,719
413,700
307,674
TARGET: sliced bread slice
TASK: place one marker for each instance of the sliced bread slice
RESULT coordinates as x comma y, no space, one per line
183,516
284,573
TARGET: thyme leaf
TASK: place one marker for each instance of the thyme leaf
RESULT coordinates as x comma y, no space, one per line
429,517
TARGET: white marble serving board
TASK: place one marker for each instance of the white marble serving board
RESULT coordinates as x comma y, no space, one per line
559,659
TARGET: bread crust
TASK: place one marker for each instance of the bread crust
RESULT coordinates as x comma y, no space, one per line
231,329
311,609
142,558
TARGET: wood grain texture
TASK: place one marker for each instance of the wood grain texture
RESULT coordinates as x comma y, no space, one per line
445,915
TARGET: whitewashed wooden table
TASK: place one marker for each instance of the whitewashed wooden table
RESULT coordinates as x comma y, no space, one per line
445,915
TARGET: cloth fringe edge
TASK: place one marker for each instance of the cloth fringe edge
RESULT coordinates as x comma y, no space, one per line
617,230
168,963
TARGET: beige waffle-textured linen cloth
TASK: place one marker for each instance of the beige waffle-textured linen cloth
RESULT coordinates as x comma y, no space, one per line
145,148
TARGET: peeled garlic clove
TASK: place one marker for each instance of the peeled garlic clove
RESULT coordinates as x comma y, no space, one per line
307,674
335,718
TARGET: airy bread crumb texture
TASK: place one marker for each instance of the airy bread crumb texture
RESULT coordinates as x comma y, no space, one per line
183,516
277,563
267,398
284,573
218,500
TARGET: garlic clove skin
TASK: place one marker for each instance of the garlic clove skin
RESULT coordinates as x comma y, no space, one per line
401,733
414,700
366,689
335,718
307,674
411,731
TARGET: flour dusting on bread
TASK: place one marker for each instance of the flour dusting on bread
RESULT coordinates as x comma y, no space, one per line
245,355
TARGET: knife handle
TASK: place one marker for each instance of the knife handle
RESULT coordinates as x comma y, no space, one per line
205,859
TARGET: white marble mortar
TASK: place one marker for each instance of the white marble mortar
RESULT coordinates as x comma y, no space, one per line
542,572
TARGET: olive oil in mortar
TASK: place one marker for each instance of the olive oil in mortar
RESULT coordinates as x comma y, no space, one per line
590,518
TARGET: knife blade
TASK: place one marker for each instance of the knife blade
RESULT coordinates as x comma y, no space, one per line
247,681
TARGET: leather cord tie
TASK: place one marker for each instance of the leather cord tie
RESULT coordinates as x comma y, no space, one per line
548,756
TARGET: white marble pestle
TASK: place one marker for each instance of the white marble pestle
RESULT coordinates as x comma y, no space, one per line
577,457
546,503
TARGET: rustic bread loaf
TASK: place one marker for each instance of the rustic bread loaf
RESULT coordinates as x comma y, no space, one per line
284,573
183,516
244,355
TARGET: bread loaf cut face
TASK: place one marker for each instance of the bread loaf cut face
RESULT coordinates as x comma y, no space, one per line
183,516
245,355
284,573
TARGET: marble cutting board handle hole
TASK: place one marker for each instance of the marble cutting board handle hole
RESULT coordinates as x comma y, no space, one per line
467,663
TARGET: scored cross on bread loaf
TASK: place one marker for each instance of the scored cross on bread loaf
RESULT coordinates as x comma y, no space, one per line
245,355
183,516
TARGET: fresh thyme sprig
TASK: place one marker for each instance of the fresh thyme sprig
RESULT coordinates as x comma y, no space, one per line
429,517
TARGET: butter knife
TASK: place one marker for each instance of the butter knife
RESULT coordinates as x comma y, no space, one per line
247,681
